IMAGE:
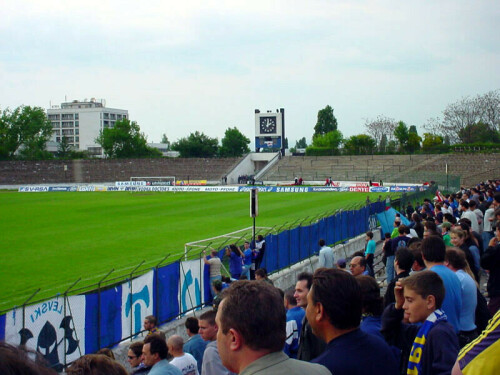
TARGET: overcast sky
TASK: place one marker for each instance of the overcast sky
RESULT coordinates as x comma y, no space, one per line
182,66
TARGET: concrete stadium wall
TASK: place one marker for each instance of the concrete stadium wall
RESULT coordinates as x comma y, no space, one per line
283,279
110,170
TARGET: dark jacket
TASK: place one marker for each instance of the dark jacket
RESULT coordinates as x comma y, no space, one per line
440,350
389,293
491,261
310,346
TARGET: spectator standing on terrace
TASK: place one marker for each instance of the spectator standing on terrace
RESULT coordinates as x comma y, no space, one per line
215,265
235,261
479,215
261,275
372,306
294,317
482,356
400,241
409,210
402,264
134,359
455,261
259,251
370,251
488,229
247,260
309,345
183,361
397,223
212,364
334,306
155,354
195,345
89,364
490,261
433,254
19,361
325,255
150,324
358,266
445,232
250,338
458,237
467,213
433,346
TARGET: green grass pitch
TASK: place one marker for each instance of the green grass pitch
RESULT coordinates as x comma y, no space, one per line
49,240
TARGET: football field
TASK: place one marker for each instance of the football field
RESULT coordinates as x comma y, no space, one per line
49,240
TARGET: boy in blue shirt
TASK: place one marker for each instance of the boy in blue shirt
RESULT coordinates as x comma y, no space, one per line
432,346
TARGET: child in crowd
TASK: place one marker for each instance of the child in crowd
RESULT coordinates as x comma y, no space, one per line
433,346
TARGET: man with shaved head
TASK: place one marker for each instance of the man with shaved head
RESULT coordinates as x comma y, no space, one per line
183,361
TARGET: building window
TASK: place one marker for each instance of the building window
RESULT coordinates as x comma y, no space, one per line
77,139
57,132
67,116
58,139
67,124
77,123
95,150
76,116
77,145
112,116
77,131
56,124
106,116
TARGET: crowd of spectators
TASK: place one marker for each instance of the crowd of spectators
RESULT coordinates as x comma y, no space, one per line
433,318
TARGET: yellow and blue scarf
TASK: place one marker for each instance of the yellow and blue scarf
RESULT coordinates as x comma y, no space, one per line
415,361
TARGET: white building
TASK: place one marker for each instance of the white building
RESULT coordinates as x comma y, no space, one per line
82,122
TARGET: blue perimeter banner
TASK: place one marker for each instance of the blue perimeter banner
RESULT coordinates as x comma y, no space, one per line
225,189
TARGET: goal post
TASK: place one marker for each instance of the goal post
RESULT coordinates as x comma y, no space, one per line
156,180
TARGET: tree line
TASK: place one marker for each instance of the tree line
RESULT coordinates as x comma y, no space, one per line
24,133
467,122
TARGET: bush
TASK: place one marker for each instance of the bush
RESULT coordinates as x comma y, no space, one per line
321,151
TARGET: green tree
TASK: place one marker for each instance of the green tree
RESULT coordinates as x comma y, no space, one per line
326,121
63,148
197,145
391,147
413,142
361,144
330,140
25,130
401,134
301,143
431,142
125,140
234,143
479,132
165,140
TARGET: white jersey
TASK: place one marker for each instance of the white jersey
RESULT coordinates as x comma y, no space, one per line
186,363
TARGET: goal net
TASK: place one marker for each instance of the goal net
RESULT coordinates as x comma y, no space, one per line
193,250
156,181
